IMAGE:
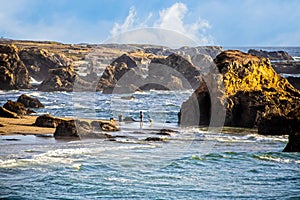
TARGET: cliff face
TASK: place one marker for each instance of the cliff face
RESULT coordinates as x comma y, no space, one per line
253,94
13,73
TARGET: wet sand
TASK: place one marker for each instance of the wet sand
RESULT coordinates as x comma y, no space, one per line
23,126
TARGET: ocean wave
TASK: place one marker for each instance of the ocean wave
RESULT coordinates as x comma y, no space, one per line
274,158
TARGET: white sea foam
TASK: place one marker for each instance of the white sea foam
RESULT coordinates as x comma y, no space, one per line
32,81
277,159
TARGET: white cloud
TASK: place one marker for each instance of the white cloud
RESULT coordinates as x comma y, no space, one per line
173,19
127,25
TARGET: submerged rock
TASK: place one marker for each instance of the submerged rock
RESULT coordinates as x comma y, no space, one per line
13,73
30,102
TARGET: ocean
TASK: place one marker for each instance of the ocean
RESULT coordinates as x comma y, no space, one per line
192,164
227,163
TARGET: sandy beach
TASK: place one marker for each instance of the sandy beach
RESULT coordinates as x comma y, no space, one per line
23,125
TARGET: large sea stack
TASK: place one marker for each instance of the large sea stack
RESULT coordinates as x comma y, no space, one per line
252,95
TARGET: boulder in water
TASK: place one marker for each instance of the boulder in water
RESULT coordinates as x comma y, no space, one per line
66,130
30,102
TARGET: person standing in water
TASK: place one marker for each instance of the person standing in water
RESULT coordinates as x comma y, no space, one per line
141,119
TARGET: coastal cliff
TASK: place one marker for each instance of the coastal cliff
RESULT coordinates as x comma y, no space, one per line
13,73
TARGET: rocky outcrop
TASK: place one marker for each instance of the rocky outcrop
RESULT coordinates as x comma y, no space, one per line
60,79
272,55
15,107
6,113
47,121
252,93
30,102
118,68
39,61
173,72
13,73
66,130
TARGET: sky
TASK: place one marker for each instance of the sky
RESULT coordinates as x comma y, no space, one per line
213,22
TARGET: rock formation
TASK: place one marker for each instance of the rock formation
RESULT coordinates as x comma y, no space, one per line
15,107
39,61
66,130
173,72
272,55
253,92
47,121
13,73
30,102
60,79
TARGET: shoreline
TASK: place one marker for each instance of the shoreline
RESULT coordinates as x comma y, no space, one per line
24,126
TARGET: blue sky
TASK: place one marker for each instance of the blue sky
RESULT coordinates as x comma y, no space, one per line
218,22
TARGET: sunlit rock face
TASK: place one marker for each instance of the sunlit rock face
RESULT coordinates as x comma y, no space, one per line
253,95
13,73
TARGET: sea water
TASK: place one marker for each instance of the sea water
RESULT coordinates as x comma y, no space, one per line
191,164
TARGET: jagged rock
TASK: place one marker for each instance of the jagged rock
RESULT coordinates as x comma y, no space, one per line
39,61
30,102
6,113
253,92
272,55
118,68
13,73
15,107
60,79
47,121
104,126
